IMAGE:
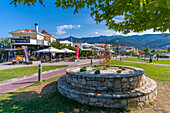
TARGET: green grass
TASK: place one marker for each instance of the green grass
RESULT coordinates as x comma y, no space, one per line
18,72
160,61
158,73
52,103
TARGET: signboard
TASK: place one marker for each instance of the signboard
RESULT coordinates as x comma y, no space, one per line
77,52
21,40
25,54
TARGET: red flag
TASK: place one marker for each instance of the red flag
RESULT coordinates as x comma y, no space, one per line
77,52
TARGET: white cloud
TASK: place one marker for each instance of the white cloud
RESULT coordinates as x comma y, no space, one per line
61,28
110,32
96,32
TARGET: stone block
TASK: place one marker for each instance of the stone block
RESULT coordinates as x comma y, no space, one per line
132,104
99,88
117,84
93,100
124,79
125,85
102,100
99,104
89,83
123,102
131,79
142,98
75,80
83,82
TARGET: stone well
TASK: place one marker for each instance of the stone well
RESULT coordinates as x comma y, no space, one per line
109,90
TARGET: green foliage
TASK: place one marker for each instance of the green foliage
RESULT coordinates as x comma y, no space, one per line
5,42
163,56
56,44
97,71
119,71
146,50
33,58
84,68
138,15
132,51
168,49
74,57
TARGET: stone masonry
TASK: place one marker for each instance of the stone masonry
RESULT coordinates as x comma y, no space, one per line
112,90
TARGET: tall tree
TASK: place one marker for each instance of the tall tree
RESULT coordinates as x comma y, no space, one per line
146,50
138,15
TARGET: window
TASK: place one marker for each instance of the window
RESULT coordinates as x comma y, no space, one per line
28,37
24,37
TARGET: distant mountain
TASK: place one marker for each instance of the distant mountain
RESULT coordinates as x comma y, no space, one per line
159,43
91,40
138,41
125,42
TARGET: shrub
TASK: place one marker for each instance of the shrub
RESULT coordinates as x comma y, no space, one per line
97,71
95,66
163,56
73,57
83,69
119,71
33,58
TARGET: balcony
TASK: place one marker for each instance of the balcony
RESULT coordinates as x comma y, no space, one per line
18,41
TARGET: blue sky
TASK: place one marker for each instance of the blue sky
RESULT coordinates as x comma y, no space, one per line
57,21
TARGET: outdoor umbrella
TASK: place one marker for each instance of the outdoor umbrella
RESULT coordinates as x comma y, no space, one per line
68,50
50,50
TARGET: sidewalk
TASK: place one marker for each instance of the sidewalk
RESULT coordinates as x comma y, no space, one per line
4,88
9,66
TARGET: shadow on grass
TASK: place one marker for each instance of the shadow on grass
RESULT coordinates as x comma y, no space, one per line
48,100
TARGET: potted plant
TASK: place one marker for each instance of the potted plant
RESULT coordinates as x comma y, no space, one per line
14,62
34,60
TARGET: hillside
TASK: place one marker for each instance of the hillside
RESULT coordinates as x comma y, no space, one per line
138,41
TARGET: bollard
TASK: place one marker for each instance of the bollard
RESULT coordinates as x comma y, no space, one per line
91,61
120,58
40,73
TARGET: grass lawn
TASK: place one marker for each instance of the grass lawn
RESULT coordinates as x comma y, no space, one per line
158,73
160,61
18,72
55,102
52,103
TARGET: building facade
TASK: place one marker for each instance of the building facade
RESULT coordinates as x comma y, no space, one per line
32,39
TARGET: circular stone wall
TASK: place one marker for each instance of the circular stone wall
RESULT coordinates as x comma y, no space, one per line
109,90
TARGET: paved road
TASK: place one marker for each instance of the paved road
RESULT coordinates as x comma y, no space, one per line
4,88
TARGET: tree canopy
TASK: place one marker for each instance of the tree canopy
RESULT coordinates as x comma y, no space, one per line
138,15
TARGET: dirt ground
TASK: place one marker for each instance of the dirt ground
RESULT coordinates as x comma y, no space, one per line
162,104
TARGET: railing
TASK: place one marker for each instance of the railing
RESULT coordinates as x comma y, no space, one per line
29,41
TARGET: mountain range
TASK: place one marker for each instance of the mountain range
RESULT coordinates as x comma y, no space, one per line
153,41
